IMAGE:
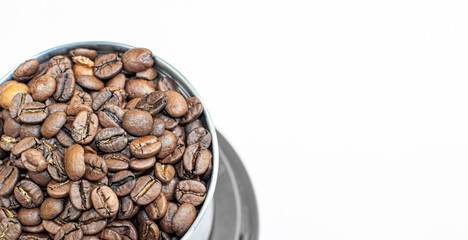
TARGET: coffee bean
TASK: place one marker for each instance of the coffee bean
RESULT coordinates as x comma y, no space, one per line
89,53
33,113
40,178
52,124
191,191
128,208
51,208
7,142
176,105
148,74
199,135
69,213
9,177
9,202
171,123
169,189
117,81
28,194
96,167
183,218
109,234
33,236
108,95
17,104
74,162
80,194
116,161
6,213
52,226
81,97
91,222
149,230
63,62
139,164
195,109
107,66
86,78
7,95
111,140
57,107
26,70
33,160
138,88
158,127
11,127
163,172
122,183
105,201
28,130
147,189
58,189
137,59
124,228
65,84
56,167
33,229
110,116
42,88
85,127
169,143
145,147
75,108
157,208
166,222
132,103
29,216
10,228
137,122
179,132
69,231
82,60
153,102
197,158
166,84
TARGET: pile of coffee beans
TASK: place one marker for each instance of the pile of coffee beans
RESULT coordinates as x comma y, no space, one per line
98,146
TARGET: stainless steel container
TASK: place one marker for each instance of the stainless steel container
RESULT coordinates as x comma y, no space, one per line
201,228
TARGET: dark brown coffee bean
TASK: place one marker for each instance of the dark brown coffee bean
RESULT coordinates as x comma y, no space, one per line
75,108
28,194
81,98
91,222
80,194
176,105
17,104
10,228
128,208
110,116
158,127
137,59
165,236
64,137
109,234
9,177
69,213
182,173
107,66
137,122
157,208
42,88
53,123
166,222
89,53
117,81
33,229
171,123
40,178
63,62
163,172
26,70
147,189
33,160
69,231
82,60
58,189
191,191
192,125
33,236
199,135
33,113
52,226
74,162
169,143
139,164
153,102
51,208
10,92
183,218
111,140
56,167
149,230
122,183
138,88
11,127
166,84
132,103
148,74
145,147
7,142
85,77
96,167
197,158
105,201
24,145
6,213
9,202
29,216
116,161
124,228
195,109
169,189
57,107
108,95
28,130
65,85
179,132
85,127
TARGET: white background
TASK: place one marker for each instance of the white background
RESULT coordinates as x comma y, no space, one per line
351,116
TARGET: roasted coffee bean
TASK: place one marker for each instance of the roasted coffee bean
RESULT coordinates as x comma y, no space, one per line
122,183
166,84
166,222
89,53
128,208
40,178
111,140
33,160
110,116
6,213
42,88
192,125
195,109
169,189
82,60
56,166
51,208
165,236
57,107
138,88
163,172
33,229
81,98
107,66
26,70
132,103
11,127
197,158
24,145
17,104
64,136
199,135
9,202
75,108
145,147
109,234
105,201
116,161
74,162
148,74
28,194
58,189
29,216
158,127
69,213
169,144
33,113
137,60
63,62
108,95
147,189
117,81
28,130
153,102
191,191
139,164
183,218
85,77
124,228
7,95
10,229
33,236
85,127
149,230
7,142
171,123
9,177
52,124
96,167
91,222
65,85
52,226
137,123
69,231
176,105
179,132
80,194
157,208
